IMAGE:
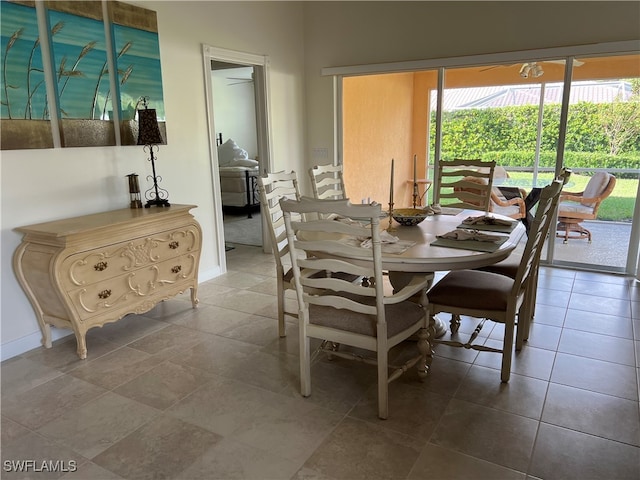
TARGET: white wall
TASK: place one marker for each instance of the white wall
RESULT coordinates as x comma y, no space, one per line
234,107
42,185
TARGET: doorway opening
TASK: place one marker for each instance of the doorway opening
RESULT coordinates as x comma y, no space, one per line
237,107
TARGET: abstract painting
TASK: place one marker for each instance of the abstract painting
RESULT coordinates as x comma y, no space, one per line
24,117
92,79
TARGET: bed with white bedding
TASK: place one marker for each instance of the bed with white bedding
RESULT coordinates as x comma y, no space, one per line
238,178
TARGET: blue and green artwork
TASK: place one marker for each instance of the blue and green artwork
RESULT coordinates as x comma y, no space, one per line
80,66
24,94
137,54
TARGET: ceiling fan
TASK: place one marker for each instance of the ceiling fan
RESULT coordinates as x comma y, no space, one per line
239,80
533,69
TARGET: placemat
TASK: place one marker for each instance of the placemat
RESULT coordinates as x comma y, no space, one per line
490,228
474,245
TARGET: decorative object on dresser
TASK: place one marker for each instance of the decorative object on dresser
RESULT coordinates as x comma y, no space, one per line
86,271
149,136
134,191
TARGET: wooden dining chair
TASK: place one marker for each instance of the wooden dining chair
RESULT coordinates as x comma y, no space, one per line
327,182
491,296
346,313
510,265
465,184
273,187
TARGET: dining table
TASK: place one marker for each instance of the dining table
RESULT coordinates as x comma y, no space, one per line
419,250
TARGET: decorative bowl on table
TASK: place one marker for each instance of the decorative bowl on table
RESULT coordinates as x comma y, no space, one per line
409,216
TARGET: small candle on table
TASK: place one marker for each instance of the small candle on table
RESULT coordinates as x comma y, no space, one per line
391,189
415,175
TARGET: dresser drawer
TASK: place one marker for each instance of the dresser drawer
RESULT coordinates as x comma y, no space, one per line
133,288
110,261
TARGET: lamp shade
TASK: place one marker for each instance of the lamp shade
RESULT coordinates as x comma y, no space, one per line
148,129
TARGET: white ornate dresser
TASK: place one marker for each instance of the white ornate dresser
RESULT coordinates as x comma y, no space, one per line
86,271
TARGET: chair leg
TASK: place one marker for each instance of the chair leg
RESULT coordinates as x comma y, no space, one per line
507,350
281,323
305,364
383,384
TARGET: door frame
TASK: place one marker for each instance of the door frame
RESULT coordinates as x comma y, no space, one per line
260,64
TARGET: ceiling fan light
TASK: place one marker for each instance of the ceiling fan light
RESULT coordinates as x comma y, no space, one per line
524,70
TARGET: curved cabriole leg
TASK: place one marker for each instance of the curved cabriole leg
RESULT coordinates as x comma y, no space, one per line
424,346
455,323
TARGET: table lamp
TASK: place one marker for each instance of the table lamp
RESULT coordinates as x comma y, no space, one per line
149,136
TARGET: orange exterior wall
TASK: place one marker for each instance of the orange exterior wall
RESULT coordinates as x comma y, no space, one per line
378,126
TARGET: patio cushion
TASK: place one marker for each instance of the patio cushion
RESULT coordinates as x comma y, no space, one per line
596,186
574,207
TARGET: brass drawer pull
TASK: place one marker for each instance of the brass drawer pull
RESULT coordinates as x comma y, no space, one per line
104,294
100,266
176,269
173,245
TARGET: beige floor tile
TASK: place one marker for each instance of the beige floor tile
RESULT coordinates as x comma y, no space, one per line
116,368
601,289
228,460
48,401
299,431
162,448
46,458
335,385
172,337
413,410
164,385
11,430
20,374
600,347
562,454
549,315
213,319
521,395
593,413
215,355
552,297
63,354
131,327
596,375
95,426
271,371
596,322
444,464
530,361
245,301
495,436
544,336
224,405
254,329
361,450
593,303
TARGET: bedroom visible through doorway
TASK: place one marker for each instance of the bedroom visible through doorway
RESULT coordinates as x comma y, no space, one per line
236,136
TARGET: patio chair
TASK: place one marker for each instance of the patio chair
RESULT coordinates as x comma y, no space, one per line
340,312
327,182
465,184
574,208
491,296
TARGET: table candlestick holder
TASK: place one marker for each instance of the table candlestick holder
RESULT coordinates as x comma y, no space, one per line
390,228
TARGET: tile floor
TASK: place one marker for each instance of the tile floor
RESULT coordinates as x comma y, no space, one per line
212,393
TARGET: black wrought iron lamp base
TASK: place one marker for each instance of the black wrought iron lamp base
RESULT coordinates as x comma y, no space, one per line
158,202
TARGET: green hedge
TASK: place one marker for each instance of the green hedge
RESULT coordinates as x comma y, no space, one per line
508,135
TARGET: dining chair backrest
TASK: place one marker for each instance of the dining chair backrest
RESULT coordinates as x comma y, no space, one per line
342,239
272,187
465,184
538,230
327,182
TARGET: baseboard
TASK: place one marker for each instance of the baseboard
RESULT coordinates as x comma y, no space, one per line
29,342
